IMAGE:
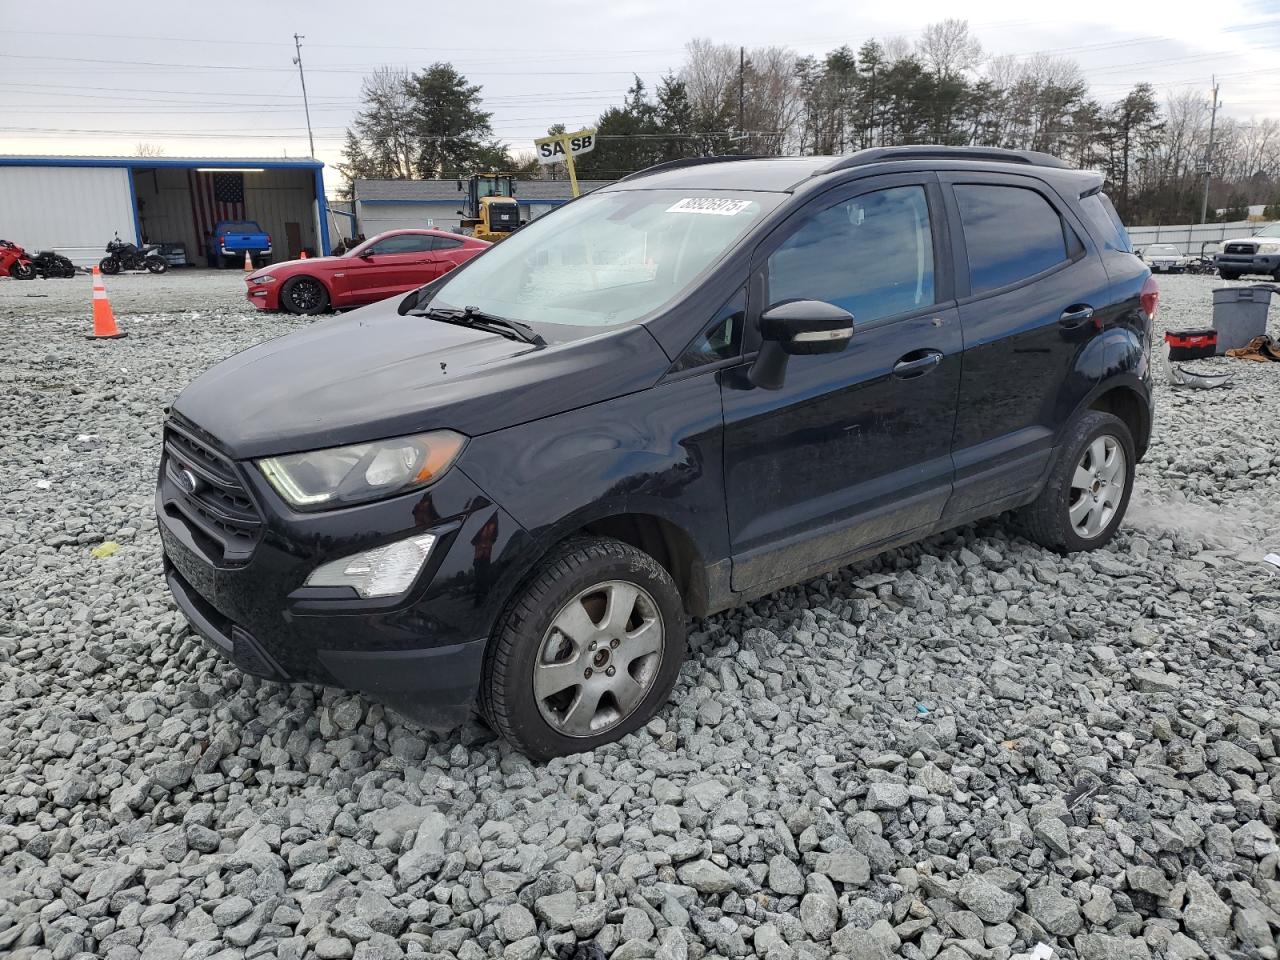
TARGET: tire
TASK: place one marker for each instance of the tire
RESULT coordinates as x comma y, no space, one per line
304,296
157,264
109,265
1082,477
573,587
1228,275
22,271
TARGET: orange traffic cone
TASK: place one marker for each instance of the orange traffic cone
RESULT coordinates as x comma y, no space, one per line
104,321
248,262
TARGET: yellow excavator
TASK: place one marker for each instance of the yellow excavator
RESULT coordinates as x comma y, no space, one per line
492,212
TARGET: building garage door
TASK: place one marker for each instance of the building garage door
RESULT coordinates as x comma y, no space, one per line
74,210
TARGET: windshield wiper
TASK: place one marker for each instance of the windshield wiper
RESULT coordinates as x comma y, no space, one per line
479,320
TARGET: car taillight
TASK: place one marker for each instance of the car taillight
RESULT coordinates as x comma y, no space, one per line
268,239
1150,297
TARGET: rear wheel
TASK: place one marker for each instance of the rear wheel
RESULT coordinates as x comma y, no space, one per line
587,652
157,264
304,295
1088,490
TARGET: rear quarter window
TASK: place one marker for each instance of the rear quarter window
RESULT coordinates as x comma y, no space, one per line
1105,222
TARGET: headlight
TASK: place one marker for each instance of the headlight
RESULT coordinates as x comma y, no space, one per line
265,278
365,471
382,572
1269,248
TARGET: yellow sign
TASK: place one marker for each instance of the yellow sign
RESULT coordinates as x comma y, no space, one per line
562,148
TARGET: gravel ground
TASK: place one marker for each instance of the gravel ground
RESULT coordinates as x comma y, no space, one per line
960,750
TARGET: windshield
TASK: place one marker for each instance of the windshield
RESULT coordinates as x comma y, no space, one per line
242,226
1271,231
606,259
1162,250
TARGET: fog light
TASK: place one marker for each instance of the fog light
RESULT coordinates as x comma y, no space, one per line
383,572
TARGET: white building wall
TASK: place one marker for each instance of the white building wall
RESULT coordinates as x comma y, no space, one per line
73,210
377,217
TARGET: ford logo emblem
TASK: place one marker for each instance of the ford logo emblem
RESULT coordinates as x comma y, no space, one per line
188,480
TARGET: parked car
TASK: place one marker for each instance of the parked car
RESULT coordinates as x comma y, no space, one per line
232,239
384,266
685,390
1165,258
1259,254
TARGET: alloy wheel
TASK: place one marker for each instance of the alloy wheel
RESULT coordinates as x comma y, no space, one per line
305,295
599,658
1097,486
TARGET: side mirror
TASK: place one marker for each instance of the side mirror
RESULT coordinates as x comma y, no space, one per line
797,327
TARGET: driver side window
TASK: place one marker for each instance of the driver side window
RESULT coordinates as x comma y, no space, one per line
871,255
404,243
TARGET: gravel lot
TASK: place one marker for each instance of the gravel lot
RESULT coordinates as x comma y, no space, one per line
958,750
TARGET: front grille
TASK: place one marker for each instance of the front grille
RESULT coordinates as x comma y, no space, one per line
1239,248
219,511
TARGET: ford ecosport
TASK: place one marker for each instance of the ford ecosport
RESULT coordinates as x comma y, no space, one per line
706,381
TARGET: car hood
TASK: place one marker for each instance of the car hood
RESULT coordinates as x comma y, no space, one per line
275,268
372,373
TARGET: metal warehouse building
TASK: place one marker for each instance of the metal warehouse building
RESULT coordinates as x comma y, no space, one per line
74,205
399,204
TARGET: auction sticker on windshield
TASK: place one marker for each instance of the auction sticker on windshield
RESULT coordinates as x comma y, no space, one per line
718,206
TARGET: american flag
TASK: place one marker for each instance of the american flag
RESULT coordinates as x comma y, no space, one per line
214,197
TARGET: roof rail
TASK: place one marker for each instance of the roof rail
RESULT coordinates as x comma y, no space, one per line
939,152
687,162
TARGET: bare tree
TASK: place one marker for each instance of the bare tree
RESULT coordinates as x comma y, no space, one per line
762,83
144,149
949,49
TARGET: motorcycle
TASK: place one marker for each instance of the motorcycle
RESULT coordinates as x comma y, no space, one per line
1201,265
50,264
122,255
14,261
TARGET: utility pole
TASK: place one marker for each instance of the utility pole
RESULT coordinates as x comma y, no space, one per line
297,45
742,123
1208,157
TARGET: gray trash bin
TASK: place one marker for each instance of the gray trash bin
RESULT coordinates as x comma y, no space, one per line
1240,314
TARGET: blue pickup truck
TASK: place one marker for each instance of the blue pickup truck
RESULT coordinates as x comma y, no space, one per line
232,239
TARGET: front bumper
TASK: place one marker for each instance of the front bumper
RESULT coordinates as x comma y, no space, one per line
1248,263
264,296
255,610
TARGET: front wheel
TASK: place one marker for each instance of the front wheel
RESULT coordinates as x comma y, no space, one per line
109,265
22,271
1228,275
157,264
304,295
587,652
1087,493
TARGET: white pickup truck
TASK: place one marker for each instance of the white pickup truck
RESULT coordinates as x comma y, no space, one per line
1257,254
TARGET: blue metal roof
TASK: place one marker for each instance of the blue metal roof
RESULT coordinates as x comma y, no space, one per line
302,163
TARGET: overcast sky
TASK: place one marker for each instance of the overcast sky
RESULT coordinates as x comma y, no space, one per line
217,79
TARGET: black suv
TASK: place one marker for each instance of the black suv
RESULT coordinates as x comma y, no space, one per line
706,381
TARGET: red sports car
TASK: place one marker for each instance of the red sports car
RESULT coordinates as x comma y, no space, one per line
390,263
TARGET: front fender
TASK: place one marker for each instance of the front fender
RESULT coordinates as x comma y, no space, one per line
657,452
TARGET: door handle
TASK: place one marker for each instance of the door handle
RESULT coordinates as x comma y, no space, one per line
916,364
1076,315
